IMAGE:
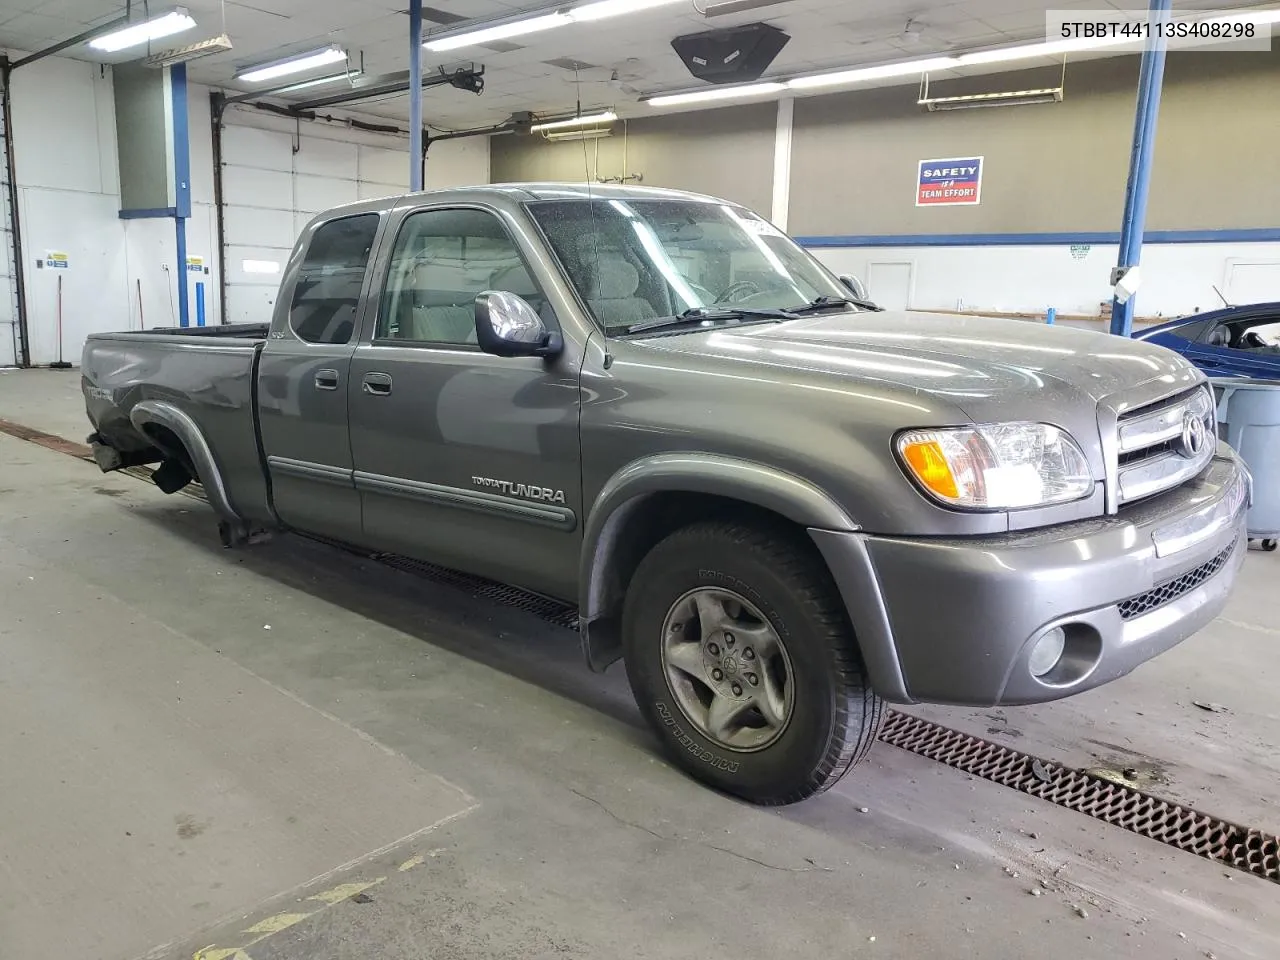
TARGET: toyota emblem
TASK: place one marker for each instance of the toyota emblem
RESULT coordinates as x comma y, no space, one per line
1194,436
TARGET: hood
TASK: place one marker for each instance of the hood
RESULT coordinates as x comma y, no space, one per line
987,367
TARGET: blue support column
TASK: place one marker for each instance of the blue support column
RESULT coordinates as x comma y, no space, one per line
415,94
1150,83
181,184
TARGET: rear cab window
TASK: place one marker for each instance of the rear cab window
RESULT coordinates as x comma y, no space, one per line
326,295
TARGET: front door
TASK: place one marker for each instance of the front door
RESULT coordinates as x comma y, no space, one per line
462,458
302,381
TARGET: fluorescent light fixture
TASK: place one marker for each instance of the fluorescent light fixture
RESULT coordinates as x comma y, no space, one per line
296,64
1052,48
501,31
194,51
736,6
165,25
347,76
587,120
597,134
862,74
1001,98
718,94
599,9
259,266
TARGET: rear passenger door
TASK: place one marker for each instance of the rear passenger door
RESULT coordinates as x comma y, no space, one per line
302,378
462,458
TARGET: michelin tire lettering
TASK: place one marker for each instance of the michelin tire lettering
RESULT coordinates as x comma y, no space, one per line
688,743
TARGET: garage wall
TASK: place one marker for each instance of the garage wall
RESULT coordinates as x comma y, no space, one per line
68,197
277,176
727,153
1057,172
1049,168
1178,278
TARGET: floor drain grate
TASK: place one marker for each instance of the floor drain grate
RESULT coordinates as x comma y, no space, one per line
46,440
1253,851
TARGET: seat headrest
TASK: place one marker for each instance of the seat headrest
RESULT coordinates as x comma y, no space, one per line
613,280
514,279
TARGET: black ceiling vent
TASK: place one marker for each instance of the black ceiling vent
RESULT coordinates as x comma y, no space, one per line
732,55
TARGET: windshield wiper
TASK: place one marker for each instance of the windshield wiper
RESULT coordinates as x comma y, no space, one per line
697,315
818,304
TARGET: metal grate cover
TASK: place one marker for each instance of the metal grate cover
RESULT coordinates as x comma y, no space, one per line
1253,851
1171,590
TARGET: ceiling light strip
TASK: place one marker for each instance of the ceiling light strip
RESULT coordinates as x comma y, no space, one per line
582,13
163,25
586,120
295,64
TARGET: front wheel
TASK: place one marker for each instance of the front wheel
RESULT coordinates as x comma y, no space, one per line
741,657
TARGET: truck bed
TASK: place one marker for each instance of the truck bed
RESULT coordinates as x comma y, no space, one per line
205,374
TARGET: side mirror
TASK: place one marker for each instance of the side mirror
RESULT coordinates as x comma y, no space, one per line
506,326
854,285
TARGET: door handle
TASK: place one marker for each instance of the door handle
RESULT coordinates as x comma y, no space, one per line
326,379
377,384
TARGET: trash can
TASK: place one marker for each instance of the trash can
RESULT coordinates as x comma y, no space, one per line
1249,421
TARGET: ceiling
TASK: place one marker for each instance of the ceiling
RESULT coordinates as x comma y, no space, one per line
534,72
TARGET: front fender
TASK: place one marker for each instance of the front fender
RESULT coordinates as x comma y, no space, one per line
181,424
757,484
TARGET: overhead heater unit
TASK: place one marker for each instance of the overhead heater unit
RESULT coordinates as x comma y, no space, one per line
732,55
193,51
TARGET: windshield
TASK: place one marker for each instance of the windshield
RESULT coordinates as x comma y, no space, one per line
638,260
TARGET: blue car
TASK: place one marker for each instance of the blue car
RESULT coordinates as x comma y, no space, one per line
1239,341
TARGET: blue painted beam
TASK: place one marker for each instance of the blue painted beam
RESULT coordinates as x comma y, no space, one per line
1137,188
181,185
415,95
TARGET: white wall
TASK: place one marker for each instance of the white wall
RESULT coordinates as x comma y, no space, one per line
124,273
1177,278
68,198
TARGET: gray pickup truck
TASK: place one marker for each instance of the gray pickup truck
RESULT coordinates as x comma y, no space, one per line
781,507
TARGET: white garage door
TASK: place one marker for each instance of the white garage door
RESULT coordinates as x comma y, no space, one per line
273,182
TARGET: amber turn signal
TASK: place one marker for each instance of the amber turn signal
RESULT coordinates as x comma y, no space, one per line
929,464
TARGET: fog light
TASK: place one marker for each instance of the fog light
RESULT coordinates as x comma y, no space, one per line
1047,651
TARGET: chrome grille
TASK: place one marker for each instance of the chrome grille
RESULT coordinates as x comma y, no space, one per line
1163,445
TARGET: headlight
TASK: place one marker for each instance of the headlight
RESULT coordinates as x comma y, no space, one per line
997,466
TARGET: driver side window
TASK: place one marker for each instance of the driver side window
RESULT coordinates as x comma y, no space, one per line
442,259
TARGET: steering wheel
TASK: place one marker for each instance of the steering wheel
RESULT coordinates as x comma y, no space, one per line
1252,339
737,291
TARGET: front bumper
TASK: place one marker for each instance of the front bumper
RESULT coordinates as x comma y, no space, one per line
954,620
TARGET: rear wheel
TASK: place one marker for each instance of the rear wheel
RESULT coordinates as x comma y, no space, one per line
741,657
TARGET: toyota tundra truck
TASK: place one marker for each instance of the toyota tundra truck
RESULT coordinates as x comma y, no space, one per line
781,507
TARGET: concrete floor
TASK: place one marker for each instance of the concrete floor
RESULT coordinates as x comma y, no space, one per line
302,754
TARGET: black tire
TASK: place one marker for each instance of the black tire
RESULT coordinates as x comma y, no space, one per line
835,716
